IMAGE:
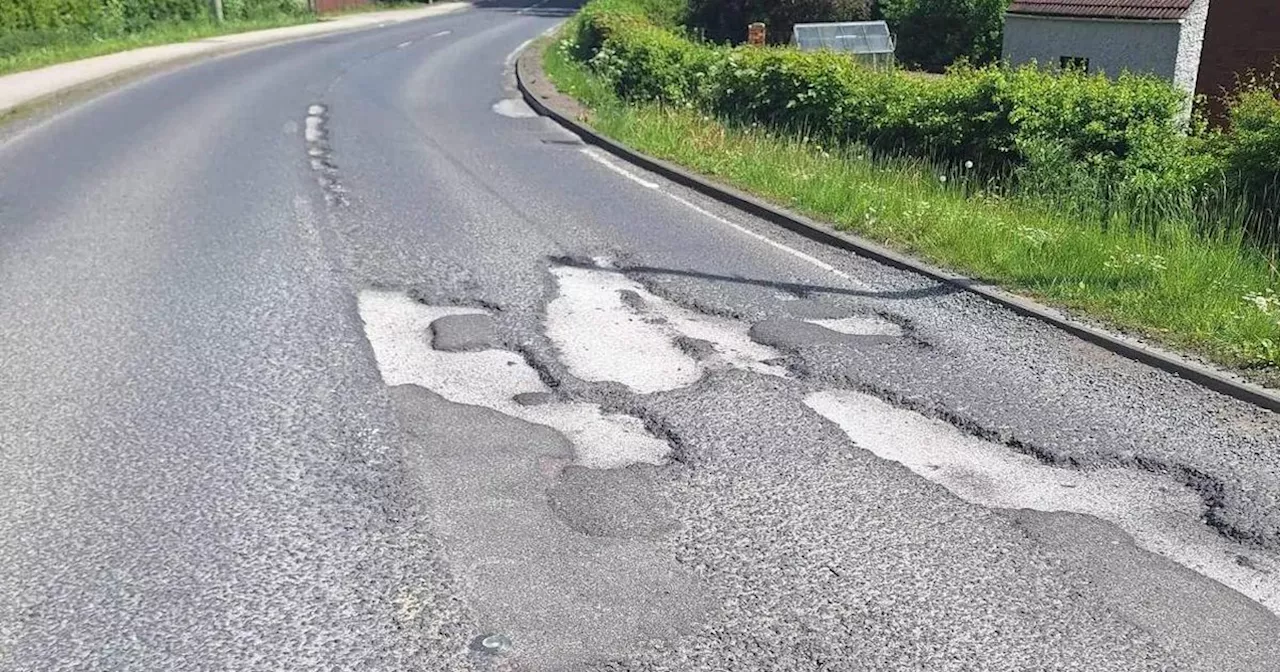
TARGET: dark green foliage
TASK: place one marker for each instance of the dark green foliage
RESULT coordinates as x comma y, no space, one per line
31,23
726,20
933,34
1249,151
1252,147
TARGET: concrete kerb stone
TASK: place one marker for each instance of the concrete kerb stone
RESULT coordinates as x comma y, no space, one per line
530,75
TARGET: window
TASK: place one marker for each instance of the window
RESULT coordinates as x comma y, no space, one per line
1079,63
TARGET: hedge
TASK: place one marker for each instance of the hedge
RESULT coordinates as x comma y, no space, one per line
1120,146
118,17
991,115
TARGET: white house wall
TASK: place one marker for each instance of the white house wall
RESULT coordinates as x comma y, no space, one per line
1111,46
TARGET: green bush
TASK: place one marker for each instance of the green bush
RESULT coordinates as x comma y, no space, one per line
645,62
996,117
727,20
936,33
1252,149
1119,150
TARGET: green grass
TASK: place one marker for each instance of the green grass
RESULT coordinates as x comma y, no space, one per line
1214,296
28,51
36,50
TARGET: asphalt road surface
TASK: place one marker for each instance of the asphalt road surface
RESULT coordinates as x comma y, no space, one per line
333,356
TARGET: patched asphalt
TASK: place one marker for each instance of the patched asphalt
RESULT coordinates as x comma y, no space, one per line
202,467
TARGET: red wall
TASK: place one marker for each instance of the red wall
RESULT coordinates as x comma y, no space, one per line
1240,35
322,6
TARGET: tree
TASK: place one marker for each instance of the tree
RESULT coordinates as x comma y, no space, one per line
726,20
933,34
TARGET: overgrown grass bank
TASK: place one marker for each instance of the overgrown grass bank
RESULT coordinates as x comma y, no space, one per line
1207,292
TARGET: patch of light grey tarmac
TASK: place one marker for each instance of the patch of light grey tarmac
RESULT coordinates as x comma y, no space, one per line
1161,515
601,336
514,108
398,328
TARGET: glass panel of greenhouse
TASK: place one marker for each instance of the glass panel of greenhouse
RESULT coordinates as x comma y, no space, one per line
868,41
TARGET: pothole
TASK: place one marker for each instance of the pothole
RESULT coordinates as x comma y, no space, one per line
608,327
1161,514
398,328
316,133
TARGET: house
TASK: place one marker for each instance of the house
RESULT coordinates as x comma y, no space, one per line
1199,45
1160,37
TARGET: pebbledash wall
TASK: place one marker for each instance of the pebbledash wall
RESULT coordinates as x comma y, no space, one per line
1168,48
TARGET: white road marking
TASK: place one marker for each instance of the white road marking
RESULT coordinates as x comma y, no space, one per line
600,157
315,129
533,6
1162,515
510,60
441,33
402,45
860,326
766,240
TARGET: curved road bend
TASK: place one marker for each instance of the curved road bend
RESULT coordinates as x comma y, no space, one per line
331,356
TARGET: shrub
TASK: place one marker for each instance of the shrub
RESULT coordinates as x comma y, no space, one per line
1115,150
995,116
726,20
1252,149
934,34
105,18
648,63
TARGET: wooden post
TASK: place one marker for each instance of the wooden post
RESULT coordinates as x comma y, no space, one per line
755,34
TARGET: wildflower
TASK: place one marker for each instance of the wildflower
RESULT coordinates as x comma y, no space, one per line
1268,303
968,165
1120,260
1036,237
942,179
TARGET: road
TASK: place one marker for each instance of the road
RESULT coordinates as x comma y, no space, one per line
332,356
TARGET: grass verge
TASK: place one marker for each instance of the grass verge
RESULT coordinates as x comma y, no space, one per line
1209,295
40,50
28,51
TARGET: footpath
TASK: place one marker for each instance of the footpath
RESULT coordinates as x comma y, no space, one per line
33,86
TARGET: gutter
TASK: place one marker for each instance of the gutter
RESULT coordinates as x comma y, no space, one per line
529,69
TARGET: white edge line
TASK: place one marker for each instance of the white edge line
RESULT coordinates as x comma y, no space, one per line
764,239
510,60
599,157
533,6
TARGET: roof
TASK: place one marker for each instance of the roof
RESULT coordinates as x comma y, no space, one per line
1104,9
